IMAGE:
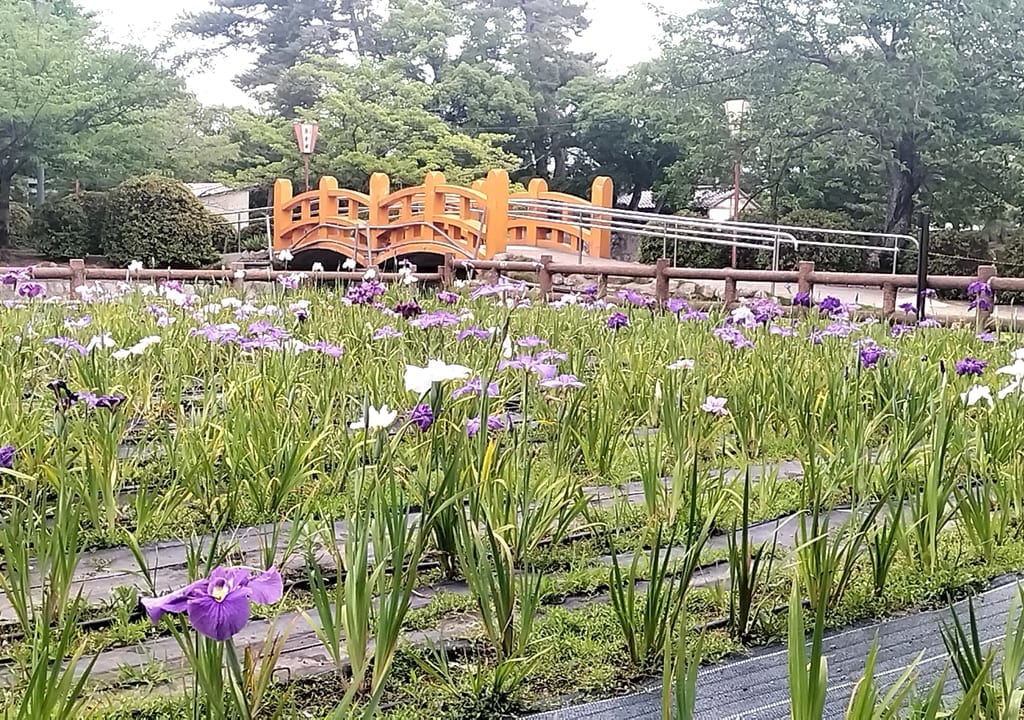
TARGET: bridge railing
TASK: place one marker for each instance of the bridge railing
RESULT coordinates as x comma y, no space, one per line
436,217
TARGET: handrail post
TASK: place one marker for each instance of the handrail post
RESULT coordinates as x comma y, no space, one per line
922,266
661,281
985,275
77,274
544,277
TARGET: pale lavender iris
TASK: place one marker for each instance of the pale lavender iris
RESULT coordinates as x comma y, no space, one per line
475,387
715,405
899,331
551,356
499,288
733,336
329,349
677,305
494,422
473,332
67,344
386,332
561,382
531,341
218,606
635,298
438,318
988,337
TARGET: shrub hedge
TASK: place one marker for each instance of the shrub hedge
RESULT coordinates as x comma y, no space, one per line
71,226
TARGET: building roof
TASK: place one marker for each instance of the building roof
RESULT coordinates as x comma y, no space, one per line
202,190
705,198
647,200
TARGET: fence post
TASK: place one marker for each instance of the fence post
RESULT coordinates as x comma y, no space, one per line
729,296
238,276
602,286
922,266
985,275
77,274
805,269
447,270
661,281
888,301
544,277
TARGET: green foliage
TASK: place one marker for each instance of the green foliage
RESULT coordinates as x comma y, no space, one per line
223,235
71,226
824,258
159,221
21,223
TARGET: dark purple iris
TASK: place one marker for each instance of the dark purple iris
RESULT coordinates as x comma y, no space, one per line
830,305
870,355
107,402
970,366
65,397
802,299
617,321
365,292
980,293
31,289
422,416
408,309
908,307
7,453
447,297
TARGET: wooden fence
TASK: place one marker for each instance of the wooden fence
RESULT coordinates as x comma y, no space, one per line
805,278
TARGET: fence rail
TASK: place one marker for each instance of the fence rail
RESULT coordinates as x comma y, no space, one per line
805,278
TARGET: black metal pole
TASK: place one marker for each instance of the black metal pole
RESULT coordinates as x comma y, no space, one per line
922,266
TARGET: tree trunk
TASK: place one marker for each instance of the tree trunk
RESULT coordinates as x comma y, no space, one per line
6,180
634,199
904,176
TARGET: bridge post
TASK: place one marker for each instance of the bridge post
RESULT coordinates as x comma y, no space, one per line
282,196
602,194
380,188
544,277
661,281
495,218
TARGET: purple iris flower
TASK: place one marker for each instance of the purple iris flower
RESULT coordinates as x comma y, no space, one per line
677,305
561,382
842,328
422,416
988,337
13,277
981,302
494,422
635,298
929,323
531,341
474,331
447,297
764,310
733,336
693,316
617,321
908,307
475,387
7,453
870,355
782,330
438,318
899,331
82,322
65,396
218,606
408,309
830,305
522,362
979,287
970,366
545,371
802,299
365,292
31,290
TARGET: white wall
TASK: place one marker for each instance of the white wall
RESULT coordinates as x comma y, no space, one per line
232,206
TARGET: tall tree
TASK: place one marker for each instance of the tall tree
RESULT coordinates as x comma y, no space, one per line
532,38
283,32
61,90
922,84
372,118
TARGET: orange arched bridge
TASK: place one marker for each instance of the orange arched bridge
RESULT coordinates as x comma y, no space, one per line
475,223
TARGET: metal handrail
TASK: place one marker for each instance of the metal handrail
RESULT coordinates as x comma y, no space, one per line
612,219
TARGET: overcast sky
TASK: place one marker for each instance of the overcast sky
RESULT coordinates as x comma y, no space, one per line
622,32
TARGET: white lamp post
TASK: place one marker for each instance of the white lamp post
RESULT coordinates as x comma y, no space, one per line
735,110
